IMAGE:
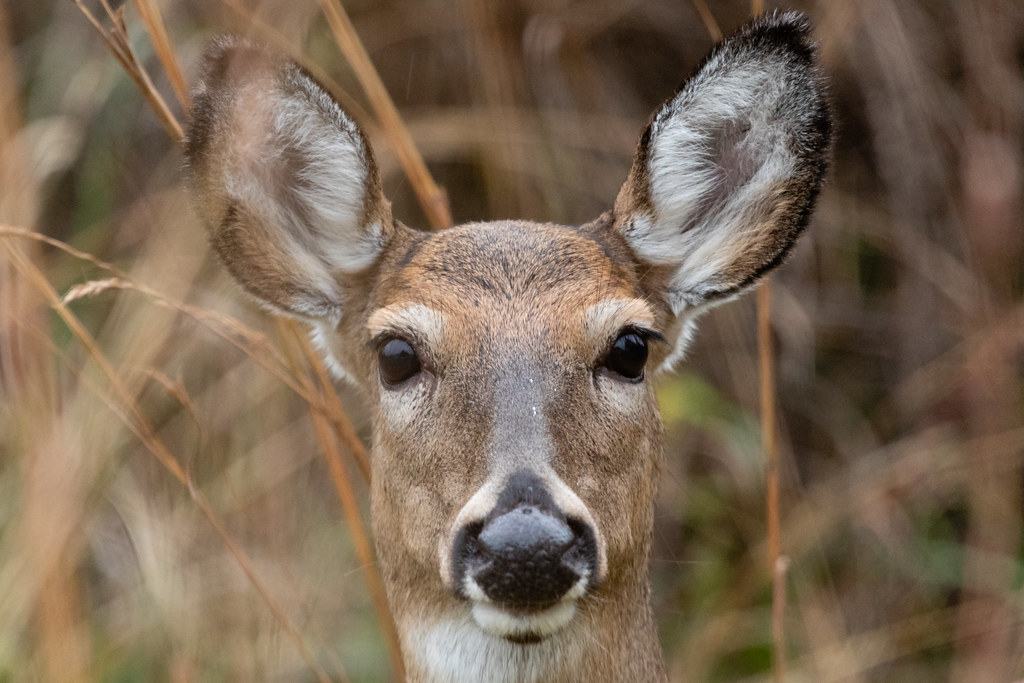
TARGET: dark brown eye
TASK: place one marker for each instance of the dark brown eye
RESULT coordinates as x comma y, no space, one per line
628,355
398,361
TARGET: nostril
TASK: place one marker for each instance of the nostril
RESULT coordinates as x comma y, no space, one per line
578,526
466,552
582,553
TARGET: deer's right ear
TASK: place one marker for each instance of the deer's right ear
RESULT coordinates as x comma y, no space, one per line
726,174
284,180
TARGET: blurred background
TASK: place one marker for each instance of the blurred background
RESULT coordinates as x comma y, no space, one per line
165,509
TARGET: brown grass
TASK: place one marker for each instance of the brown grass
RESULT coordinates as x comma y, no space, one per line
164,512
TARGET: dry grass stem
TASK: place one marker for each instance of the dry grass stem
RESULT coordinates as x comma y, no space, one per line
18,231
176,388
247,340
431,197
770,450
251,24
118,42
140,426
322,420
330,404
136,420
92,288
254,344
160,452
149,13
709,20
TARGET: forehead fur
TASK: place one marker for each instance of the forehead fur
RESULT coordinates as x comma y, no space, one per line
512,262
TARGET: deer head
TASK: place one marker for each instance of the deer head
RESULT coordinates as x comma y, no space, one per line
516,435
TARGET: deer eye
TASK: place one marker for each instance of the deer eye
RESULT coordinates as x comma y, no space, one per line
398,361
627,355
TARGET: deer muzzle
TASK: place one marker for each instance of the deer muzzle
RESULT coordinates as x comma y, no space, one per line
525,564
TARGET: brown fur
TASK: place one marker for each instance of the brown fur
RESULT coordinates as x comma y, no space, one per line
512,300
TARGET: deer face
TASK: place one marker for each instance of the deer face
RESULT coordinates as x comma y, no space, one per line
515,425
516,433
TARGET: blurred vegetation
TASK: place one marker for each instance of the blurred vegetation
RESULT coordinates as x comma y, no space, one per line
898,322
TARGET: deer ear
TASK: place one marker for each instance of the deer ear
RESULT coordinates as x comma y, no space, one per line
726,174
284,180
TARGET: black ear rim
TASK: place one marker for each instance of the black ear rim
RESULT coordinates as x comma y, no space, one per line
778,33
784,34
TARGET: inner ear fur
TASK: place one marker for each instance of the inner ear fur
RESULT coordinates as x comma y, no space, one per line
726,174
284,180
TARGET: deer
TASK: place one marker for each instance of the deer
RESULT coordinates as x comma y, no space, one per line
516,436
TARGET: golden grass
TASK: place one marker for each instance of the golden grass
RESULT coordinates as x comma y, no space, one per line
431,197
164,509
116,38
325,412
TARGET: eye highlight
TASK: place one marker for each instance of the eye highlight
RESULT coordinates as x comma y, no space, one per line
627,355
397,361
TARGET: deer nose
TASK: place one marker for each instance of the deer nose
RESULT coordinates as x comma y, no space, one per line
522,558
526,555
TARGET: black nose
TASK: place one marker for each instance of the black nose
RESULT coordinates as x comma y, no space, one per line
525,554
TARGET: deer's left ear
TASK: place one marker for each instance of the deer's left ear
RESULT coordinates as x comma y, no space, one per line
726,174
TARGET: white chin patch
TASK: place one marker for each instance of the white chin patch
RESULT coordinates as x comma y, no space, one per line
499,622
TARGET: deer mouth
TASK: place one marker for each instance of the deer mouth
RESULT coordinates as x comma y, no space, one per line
526,626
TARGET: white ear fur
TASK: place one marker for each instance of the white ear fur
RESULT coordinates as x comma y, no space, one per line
284,179
726,173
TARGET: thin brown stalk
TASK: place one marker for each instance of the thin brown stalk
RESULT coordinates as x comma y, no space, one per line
709,20
253,25
776,563
136,420
771,457
117,41
343,486
247,340
16,231
324,406
140,426
176,388
353,518
253,344
331,405
431,197
154,23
